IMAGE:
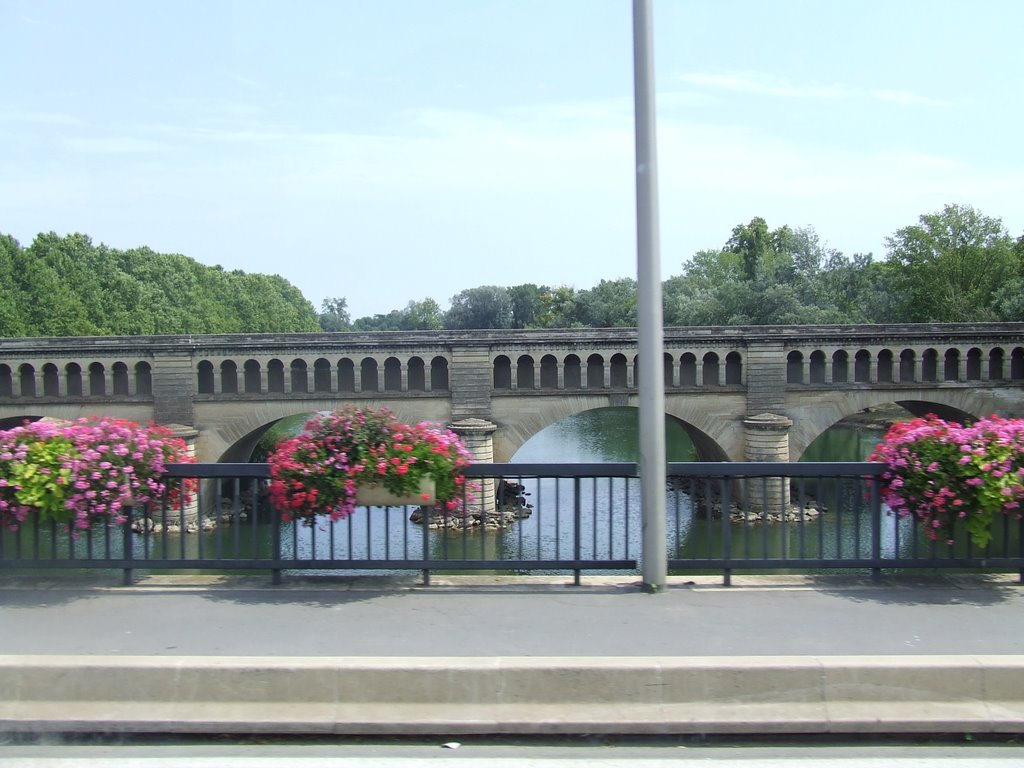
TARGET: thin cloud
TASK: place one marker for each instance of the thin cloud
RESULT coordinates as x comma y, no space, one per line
48,118
763,84
117,145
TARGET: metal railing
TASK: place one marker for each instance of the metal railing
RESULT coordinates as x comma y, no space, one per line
722,517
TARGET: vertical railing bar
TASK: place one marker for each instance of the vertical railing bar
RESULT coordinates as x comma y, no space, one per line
254,516
126,572
425,536
876,529
275,544
727,530
577,549
627,510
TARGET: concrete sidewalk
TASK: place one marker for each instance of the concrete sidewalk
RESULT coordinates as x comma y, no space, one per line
476,654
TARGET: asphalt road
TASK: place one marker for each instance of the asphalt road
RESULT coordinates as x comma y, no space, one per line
479,616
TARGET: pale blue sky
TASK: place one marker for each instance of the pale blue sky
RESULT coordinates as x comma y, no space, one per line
391,150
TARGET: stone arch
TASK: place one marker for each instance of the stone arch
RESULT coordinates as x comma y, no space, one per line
392,374
369,375
595,372
439,374
514,432
73,380
346,375
710,374
10,422
951,365
228,377
27,380
930,365
502,378
275,376
205,378
143,378
51,380
618,378
669,367
810,420
795,367
734,368
321,375
299,371
688,370
996,369
549,372
885,368
97,380
232,439
862,366
573,372
119,372
816,372
840,366
525,375
1017,364
973,372
252,377
6,381
907,360
416,375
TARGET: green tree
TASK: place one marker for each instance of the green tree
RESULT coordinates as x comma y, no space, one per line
488,306
334,315
951,266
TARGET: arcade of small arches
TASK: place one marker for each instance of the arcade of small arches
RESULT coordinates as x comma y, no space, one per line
911,365
617,372
345,375
77,380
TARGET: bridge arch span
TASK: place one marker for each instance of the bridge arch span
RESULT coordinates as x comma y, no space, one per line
517,424
810,419
225,432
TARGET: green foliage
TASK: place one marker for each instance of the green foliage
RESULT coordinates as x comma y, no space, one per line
66,286
488,306
951,266
42,478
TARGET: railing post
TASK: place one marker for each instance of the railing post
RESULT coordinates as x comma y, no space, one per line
876,529
129,547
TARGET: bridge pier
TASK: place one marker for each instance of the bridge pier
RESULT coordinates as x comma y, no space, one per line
478,437
767,439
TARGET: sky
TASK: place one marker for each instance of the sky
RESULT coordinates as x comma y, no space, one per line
389,151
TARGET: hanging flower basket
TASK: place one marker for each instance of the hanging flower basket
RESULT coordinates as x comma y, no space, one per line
350,457
86,471
941,472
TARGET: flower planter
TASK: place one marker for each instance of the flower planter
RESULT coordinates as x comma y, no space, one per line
379,496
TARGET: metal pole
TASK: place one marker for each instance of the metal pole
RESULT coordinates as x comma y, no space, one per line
654,566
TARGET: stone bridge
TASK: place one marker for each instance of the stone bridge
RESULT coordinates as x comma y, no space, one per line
743,393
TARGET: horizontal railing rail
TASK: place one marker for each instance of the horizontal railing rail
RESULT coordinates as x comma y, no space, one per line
722,517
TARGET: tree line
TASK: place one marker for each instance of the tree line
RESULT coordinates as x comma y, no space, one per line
955,265
66,286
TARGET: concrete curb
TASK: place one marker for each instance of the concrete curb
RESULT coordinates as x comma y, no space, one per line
513,695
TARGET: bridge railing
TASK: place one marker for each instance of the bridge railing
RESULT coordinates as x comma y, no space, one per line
550,518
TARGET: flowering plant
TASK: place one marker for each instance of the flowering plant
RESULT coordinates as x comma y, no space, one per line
941,471
83,472
318,471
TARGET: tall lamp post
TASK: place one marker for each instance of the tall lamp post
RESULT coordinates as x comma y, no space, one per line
654,565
